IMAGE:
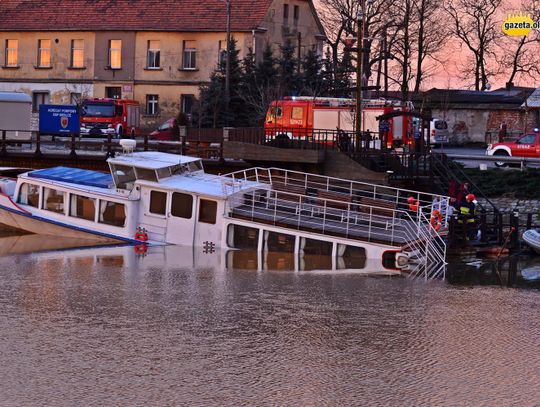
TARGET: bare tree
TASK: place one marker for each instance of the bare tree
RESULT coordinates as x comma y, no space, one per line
520,56
340,18
475,25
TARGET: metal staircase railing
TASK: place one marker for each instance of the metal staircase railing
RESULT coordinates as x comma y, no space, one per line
446,169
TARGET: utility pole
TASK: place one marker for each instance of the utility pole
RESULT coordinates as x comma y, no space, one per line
359,70
228,63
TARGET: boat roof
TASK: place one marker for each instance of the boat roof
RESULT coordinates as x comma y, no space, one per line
201,183
151,160
74,176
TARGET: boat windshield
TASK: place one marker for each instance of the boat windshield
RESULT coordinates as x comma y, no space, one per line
123,175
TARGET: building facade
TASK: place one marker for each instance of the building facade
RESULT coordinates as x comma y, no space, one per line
156,52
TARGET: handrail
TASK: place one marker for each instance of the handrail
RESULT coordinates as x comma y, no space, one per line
449,174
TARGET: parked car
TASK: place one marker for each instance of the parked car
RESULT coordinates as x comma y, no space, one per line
166,132
527,145
438,132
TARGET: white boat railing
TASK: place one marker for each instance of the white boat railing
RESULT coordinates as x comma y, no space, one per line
399,197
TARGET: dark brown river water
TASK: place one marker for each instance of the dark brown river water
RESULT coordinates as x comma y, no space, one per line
178,327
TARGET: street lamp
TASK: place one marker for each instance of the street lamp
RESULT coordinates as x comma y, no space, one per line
228,63
228,60
361,18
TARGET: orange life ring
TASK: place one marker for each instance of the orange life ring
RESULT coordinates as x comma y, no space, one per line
436,220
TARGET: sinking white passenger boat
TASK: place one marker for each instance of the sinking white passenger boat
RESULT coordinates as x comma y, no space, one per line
158,198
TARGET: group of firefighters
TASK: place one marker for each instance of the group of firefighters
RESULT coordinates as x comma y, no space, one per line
462,207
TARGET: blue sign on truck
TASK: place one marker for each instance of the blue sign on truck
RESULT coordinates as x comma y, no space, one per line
59,119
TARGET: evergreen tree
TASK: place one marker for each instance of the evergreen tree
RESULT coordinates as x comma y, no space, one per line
313,83
287,65
214,111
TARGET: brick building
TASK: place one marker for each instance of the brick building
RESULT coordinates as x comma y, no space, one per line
155,51
476,116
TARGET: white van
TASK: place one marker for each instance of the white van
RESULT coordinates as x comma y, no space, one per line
438,132
15,115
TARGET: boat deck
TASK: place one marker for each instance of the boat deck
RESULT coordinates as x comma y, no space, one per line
310,217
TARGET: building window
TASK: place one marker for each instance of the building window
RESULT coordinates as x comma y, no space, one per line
186,103
181,205
44,54
82,207
152,105
153,54
115,54
190,55
296,14
158,202
29,195
112,213
77,53
207,211
38,99
75,98
285,11
12,52
113,92
53,200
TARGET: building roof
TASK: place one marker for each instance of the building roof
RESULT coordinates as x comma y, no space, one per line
533,100
131,15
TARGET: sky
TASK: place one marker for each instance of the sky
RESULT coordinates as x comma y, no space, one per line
446,72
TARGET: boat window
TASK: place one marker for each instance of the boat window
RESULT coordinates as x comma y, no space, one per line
146,174
123,176
29,195
279,242
207,211
351,257
195,166
177,169
158,202
82,207
312,246
163,172
112,213
53,200
181,205
242,237
242,260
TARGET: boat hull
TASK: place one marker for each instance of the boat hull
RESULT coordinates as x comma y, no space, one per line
33,224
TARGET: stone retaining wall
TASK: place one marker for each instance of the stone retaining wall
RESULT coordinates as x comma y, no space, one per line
522,206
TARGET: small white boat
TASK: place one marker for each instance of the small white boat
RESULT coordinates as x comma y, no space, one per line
158,198
532,238
531,273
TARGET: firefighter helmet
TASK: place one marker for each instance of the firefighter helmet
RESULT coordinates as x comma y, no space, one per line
470,197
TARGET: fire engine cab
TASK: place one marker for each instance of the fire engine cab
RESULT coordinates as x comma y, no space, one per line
296,116
102,116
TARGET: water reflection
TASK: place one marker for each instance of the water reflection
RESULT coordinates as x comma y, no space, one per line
178,326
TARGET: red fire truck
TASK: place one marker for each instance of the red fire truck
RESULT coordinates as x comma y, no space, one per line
118,117
296,116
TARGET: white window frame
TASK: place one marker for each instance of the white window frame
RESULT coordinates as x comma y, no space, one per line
189,56
152,105
115,53
12,53
79,50
153,55
43,52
